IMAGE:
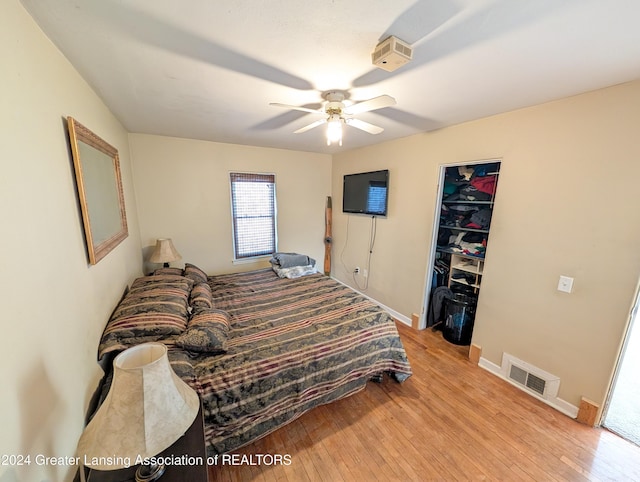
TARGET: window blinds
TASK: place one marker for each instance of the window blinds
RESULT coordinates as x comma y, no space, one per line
254,214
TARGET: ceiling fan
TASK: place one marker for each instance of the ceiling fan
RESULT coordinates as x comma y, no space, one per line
335,113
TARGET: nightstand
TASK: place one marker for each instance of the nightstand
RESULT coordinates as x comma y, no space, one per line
190,447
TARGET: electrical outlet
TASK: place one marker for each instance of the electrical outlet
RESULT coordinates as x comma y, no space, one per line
356,270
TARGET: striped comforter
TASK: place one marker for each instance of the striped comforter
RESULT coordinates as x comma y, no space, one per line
293,344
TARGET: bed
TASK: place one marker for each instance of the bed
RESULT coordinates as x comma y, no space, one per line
281,347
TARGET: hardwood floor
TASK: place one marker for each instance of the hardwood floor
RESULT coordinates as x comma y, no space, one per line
450,421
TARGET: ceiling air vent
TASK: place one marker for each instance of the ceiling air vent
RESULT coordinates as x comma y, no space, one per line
391,54
530,378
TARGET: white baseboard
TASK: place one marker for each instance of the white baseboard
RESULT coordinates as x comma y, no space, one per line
561,405
398,316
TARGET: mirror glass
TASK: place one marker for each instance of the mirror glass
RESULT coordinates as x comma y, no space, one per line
99,183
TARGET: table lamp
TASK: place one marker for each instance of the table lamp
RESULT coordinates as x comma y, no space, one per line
147,409
164,252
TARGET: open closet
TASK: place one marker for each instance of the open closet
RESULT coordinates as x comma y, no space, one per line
461,239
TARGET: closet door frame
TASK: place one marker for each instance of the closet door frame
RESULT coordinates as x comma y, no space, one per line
431,259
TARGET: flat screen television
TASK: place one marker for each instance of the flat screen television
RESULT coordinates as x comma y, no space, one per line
366,193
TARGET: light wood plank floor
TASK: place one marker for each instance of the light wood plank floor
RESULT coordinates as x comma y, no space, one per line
450,421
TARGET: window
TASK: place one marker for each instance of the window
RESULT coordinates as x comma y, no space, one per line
377,197
253,204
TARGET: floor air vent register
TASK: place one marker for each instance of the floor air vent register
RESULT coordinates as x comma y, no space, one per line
530,378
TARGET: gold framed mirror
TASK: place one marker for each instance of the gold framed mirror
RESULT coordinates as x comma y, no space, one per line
99,183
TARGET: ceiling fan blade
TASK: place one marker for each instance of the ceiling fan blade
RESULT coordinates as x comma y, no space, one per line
364,126
371,104
295,107
311,126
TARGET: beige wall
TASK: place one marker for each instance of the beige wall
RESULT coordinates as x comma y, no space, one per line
54,305
182,187
566,205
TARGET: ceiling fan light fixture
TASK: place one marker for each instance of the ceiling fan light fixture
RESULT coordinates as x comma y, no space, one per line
334,129
336,112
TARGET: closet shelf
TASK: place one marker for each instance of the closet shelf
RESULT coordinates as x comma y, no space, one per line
451,251
463,282
460,228
469,267
486,203
466,264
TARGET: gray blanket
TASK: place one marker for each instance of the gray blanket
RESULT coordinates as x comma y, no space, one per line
290,260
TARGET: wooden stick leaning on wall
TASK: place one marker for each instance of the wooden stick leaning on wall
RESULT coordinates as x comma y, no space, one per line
327,237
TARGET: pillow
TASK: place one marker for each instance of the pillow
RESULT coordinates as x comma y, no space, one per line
195,273
171,271
152,281
206,333
152,309
158,311
113,344
294,271
200,296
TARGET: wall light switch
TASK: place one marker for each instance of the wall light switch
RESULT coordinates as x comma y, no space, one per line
565,284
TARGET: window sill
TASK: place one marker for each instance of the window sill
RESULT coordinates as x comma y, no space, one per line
253,259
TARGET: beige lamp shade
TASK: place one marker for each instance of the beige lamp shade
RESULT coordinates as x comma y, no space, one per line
147,409
164,252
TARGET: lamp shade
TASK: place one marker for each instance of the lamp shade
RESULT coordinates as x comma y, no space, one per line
164,252
334,129
147,409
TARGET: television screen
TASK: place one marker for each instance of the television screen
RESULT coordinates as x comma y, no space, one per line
366,193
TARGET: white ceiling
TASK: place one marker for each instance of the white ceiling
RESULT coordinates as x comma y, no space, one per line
208,69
